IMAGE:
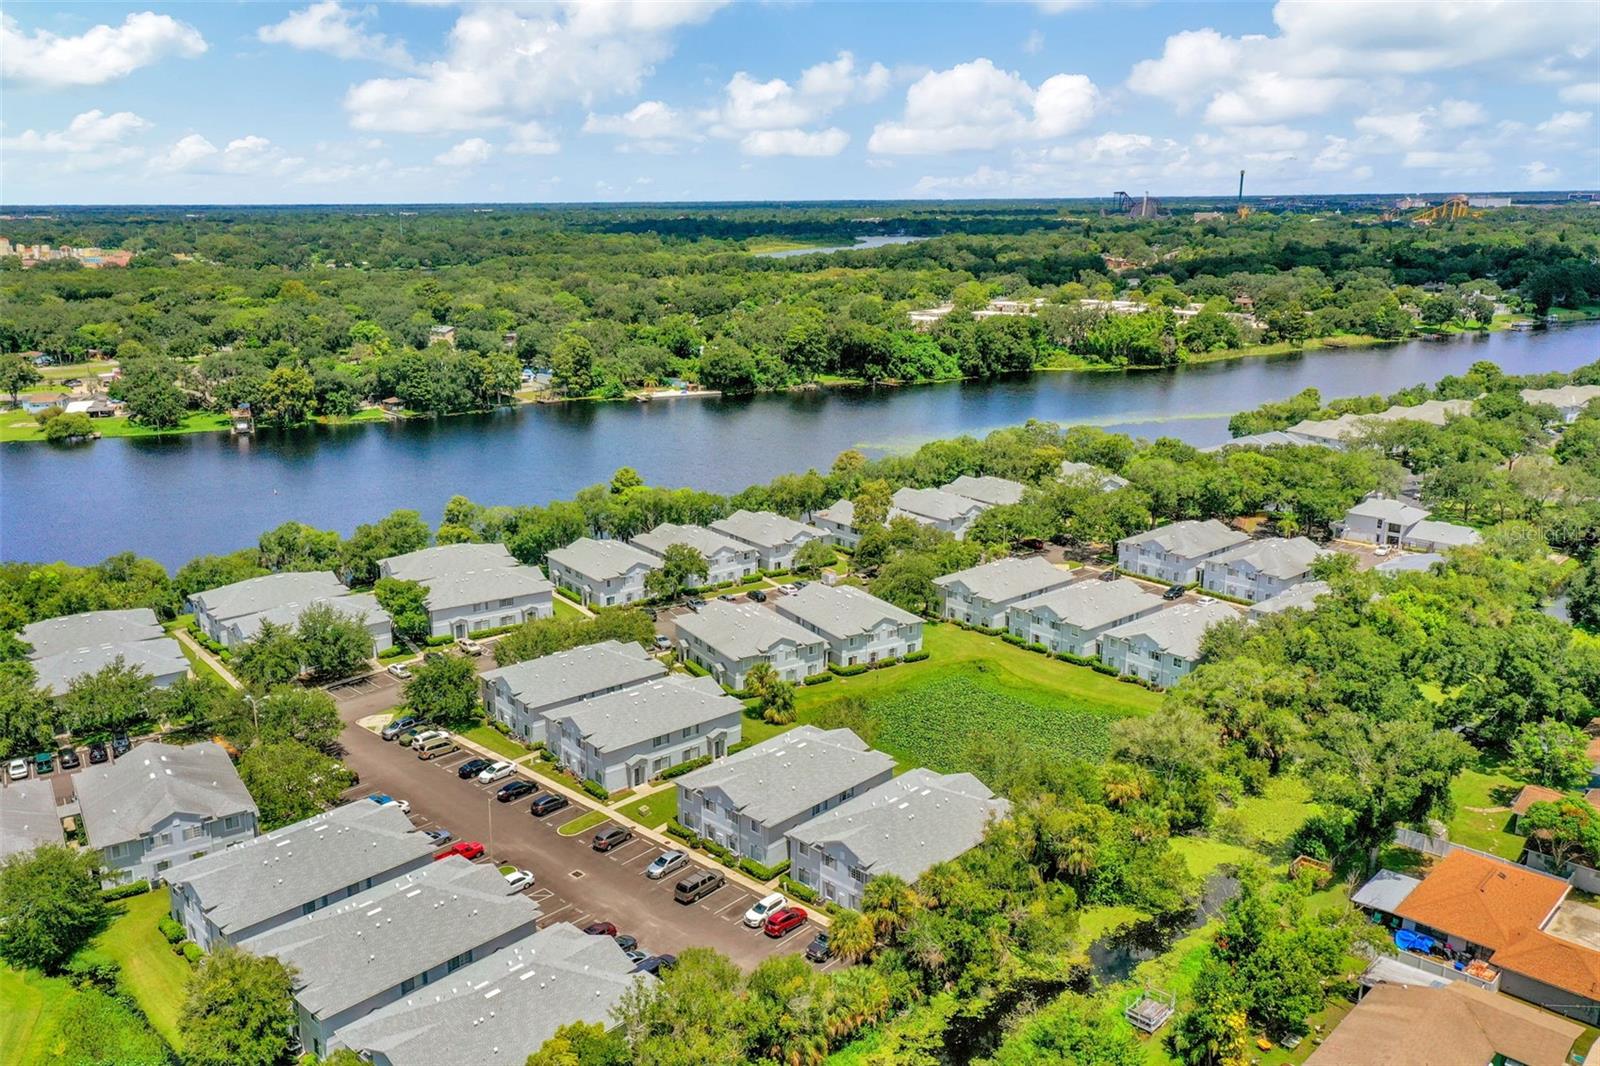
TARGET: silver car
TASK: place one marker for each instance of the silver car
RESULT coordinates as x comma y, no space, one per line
665,863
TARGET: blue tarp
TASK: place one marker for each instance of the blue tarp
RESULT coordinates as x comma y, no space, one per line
1407,940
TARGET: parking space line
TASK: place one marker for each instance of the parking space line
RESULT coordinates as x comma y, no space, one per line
647,853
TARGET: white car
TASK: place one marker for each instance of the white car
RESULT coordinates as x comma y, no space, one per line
18,769
404,805
495,771
517,880
764,906
469,647
400,672
789,589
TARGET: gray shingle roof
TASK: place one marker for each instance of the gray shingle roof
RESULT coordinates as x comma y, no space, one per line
990,490
159,658
28,816
631,715
1105,478
577,672
1189,539
1271,439
791,773
502,1008
258,594
1447,534
54,635
908,823
1409,562
1385,891
1565,396
371,942
363,606
763,528
446,559
743,630
272,874
1092,604
841,611
935,504
1178,629
1385,509
602,559
1280,557
1297,597
122,800
1008,579
840,512
708,542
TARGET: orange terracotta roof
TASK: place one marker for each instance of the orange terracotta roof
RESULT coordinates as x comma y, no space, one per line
1594,750
1532,794
1483,900
1553,961
1403,1025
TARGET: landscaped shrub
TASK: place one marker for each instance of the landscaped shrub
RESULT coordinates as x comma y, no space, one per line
1013,639
91,969
567,594
734,749
1035,646
683,768
795,890
818,679
675,828
695,668
132,888
763,873
990,631
849,671
595,789
914,657
1103,668
492,631
396,651
439,642
191,952
881,664
170,929
1077,660
499,727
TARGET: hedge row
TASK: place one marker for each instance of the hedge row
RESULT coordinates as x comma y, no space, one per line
763,873
567,594
683,768
915,657
595,789
795,890
695,668
133,888
492,631
818,679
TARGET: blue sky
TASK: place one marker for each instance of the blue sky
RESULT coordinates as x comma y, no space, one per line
332,102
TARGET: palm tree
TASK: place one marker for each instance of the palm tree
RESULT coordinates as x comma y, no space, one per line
852,936
889,901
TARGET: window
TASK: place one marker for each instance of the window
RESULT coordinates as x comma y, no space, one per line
232,821
507,602
459,961
829,861
193,831
688,732
408,986
665,738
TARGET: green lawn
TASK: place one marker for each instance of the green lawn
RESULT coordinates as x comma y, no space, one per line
1269,819
30,1005
23,427
1203,855
583,823
564,608
489,737
1484,829
654,810
200,667
152,973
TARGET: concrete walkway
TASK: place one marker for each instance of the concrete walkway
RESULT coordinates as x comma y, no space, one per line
206,657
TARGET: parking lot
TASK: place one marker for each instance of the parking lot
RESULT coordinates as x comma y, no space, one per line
573,882
666,624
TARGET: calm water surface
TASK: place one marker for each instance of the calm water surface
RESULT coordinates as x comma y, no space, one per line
178,497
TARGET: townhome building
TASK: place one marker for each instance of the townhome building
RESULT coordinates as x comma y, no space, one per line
994,491
1105,480
256,886
64,649
901,827
28,816
1345,430
748,802
1173,553
1568,400
726,559
1301,597
234,614
1260,569
1070,619
603,573
472,587
1431,535
729,639
859,627
628,737
382,945
838,524
982,595
1163,647
502,1007
1380,520
525,695
775,538
161,805
942,510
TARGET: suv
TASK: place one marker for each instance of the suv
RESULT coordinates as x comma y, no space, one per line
698,885
763,908
784,920
547,803
469,646
68,758
1175,592
98,753
44,763
819,950
121,745
758,595
416,736
396,727
610,837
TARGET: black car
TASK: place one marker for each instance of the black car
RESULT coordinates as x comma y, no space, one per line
1109,575
98,753
758,595
547,803
819,950
656,963
121,745
69,759
1174,593
513,790
626,942
471,767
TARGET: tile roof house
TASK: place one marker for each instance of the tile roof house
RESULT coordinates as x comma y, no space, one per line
1107,481
1070,619
901,827
1380,520
994,491
381,945
1173,553
730,638
161,805
1260,569
1449,1025
942,510
858,627
774,537
524,695
604,573
726,559
747,802
982,595
1513,917
502,1007
473,587
1163,647
234,613
631,735
69,647
28,816
246,890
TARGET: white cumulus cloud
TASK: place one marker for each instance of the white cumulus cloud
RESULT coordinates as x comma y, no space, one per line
826,142
531,138
99,54
91,131
468,153
328,26
977,105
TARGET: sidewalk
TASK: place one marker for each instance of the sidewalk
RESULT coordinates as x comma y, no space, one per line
206,657
589,803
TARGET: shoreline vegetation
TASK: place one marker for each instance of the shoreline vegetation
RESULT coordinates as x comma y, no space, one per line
18,427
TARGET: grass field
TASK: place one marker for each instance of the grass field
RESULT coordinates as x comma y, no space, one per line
1484,829
654,810
583,823
21,426
489,737
565,609
200,667
30,1006
152,973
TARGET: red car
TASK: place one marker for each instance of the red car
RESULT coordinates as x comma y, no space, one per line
467,849
781,922
600,929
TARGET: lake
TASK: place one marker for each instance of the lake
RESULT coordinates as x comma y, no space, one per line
176,497
861,242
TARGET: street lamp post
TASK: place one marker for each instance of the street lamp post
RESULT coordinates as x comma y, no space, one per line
490,799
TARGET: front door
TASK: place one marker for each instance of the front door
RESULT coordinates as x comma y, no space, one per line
638,775
460,630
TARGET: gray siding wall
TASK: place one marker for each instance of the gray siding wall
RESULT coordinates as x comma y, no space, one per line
1149,560
1245,582
714,817
830,869
636,764
174,840
1042,627
792,663
1141,658
611,592
457,620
